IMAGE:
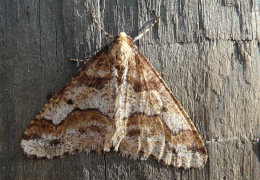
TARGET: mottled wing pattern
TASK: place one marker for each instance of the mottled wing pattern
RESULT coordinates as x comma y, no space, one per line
117,100
157,125
77,118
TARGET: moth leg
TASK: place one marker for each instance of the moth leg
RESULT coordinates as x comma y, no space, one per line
95,21
79,61
163,74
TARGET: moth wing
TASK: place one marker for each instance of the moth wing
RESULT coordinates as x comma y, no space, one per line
75,119
157,126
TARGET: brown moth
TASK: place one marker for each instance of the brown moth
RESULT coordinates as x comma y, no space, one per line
116,101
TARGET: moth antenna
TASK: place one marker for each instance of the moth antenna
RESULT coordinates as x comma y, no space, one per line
146,30
95,21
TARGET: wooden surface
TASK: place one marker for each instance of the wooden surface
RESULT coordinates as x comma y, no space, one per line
208,49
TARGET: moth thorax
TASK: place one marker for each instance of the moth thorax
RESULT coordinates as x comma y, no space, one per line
122,52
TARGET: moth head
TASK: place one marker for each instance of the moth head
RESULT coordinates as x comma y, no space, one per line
123,38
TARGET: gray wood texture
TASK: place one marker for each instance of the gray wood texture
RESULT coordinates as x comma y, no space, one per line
208,49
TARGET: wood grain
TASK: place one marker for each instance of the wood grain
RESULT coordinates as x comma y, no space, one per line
208,50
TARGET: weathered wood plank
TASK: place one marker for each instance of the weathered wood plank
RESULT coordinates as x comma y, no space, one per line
208,50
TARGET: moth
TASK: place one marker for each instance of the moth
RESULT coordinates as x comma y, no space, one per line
119,102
